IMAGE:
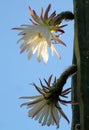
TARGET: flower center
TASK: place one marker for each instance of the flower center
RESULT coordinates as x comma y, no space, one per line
40,35
51,98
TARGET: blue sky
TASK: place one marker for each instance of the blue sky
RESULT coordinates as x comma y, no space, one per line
17,72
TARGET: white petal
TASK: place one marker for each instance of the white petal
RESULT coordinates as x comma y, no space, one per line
43,51
55,115
35,110
50,120
55,51
30,55
30,97
46,113
41,114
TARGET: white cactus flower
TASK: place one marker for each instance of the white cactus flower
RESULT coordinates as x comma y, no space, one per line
41,36
46,107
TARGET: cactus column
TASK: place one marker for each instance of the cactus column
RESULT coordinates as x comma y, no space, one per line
80,83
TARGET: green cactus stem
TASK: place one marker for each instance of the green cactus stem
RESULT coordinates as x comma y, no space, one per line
80,83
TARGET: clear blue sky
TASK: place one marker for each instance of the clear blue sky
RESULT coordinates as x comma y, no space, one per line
16,71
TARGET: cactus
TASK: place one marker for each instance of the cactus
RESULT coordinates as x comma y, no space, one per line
80,83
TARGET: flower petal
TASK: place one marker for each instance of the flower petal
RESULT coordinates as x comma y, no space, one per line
55,115
36,109
55,51
45,115
62,113
46,12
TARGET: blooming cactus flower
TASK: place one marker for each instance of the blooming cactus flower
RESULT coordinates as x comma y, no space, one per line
41,36
46,107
